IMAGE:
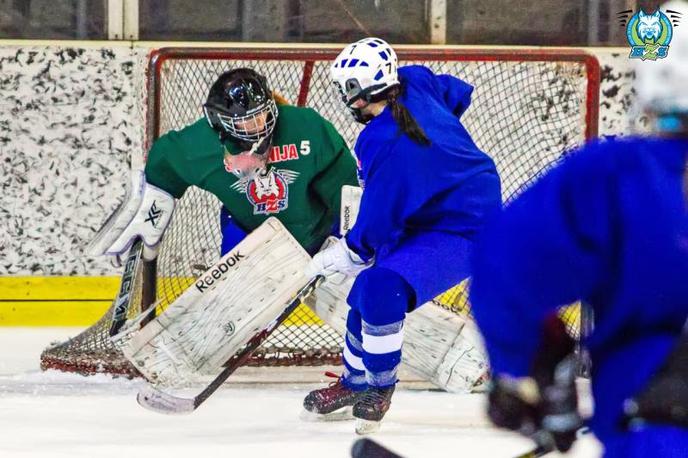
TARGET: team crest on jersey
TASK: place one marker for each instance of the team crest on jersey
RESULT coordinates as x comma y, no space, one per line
268,192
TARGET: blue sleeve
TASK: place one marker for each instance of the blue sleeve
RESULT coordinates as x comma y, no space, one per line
232,234
549,248
456,93
393,191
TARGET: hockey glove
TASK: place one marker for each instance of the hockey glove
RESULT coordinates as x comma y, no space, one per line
545,405
335,258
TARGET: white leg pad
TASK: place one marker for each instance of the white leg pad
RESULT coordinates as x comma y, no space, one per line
226,306
442,347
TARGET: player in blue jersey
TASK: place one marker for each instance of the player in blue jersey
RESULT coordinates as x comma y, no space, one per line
427,190
609,226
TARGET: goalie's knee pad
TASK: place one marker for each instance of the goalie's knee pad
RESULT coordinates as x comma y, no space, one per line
146,212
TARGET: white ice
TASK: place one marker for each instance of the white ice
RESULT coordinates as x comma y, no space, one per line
51,414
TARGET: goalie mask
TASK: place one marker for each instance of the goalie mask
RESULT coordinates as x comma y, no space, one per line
364,70
241,106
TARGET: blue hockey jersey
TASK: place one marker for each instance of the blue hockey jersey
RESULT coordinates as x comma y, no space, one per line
608,226
411,188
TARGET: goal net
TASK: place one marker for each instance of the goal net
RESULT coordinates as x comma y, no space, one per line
528,108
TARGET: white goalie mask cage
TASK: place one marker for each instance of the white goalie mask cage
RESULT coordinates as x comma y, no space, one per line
251,127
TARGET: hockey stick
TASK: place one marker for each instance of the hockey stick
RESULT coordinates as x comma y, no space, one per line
124,295
368,448
544,447
161,402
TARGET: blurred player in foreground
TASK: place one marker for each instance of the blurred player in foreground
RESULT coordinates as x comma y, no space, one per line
609,226
427,189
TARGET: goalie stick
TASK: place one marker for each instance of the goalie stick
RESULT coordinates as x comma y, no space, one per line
162,402
124,298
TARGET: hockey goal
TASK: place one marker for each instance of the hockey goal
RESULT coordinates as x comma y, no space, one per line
528,108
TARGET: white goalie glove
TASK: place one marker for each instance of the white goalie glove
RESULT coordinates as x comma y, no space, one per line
336,258
145,212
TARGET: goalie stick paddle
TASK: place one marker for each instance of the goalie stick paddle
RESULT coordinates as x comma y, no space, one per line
125,296
368,448
161,402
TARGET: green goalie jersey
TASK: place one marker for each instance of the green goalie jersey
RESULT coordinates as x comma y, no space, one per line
309,163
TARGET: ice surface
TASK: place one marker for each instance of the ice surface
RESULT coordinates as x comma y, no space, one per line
57,415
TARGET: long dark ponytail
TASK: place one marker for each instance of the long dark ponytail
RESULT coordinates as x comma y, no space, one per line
407,123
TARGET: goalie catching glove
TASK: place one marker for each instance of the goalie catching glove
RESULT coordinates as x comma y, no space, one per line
543,406
145,213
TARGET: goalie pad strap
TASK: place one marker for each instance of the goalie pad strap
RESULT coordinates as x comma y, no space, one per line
145,213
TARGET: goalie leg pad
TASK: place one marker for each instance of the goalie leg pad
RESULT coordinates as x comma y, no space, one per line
231,302
348,212
441,346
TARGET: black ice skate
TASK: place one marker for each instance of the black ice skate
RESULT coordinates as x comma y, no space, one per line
333,403
371,408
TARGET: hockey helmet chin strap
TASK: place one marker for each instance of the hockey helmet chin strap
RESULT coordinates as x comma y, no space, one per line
353,93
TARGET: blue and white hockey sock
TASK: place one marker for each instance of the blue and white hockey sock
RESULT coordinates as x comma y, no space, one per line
382,296
382,352
354,370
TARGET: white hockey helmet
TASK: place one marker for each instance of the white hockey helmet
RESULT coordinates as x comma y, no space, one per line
364,70
662,85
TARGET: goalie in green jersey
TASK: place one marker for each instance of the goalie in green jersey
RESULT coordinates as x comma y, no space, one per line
258,158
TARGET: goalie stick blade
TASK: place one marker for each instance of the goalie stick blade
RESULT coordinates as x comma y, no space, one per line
158,401
368,448
161,402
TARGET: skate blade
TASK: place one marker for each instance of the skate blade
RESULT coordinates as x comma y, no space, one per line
343,414
364,427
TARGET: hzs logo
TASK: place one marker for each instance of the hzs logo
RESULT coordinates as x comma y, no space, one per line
649,34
